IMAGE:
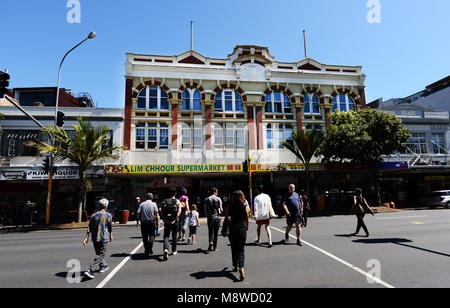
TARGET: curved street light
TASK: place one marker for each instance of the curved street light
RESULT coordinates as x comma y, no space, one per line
90,36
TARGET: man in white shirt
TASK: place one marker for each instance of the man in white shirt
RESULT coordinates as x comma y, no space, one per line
262,206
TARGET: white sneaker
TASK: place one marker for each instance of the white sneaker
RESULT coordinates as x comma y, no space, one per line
257,241
89,274
175,253
166,255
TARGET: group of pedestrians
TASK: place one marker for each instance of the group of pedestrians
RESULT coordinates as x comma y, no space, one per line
179,217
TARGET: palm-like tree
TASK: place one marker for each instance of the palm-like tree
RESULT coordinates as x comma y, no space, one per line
306,144
88,145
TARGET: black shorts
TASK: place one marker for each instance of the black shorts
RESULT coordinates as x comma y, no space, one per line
293,220
192,230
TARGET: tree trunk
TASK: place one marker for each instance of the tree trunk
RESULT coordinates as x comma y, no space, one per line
83,191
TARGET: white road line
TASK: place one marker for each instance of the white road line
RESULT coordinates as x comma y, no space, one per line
377,280
118,267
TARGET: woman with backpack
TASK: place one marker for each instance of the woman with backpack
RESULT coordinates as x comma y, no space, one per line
360,208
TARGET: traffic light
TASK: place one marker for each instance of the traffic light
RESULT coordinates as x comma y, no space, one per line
245,167
60,117
4,83
46,164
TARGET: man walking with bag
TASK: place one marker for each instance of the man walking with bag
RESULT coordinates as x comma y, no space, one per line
262,208
148,214
170,212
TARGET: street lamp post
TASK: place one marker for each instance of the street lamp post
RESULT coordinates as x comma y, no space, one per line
50,176
90,36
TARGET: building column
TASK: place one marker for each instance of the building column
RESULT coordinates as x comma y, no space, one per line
208,116
174,106
362,100
251,128
260,127
328,106
299,115
128,113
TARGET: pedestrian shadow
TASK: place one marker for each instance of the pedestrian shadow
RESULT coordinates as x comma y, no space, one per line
138,256
198,250
217,274
401,242
72,274
344,235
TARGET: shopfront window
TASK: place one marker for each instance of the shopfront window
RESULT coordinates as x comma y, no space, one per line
229,136
192,100
311,101
228,101
278,102
343,102
16,143
438,142
152,136
153,98
192,137
275,133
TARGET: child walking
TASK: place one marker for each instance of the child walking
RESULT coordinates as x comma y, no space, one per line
194,223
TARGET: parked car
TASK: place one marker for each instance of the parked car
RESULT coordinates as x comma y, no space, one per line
439,198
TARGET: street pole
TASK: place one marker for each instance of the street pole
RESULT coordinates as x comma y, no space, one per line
250,184
90,36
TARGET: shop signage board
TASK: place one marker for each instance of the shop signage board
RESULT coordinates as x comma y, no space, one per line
285,167
60,174
393,165
171,169
12,175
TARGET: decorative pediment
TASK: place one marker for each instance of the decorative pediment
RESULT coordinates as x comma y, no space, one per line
309,65
191,57
245,54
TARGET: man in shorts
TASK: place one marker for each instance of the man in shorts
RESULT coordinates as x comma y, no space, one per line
262,206
292,205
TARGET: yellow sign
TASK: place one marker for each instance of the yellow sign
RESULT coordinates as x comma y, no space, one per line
152,169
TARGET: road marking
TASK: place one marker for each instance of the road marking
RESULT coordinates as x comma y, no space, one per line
387,218
118,267
377,280
417,223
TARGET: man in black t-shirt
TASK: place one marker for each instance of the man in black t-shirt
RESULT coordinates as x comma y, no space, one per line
213,209
293,206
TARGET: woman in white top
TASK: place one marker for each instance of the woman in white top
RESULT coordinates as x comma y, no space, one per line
262,209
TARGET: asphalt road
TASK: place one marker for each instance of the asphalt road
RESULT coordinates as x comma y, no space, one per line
408,250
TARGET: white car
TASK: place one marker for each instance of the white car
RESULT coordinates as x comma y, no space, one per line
439,198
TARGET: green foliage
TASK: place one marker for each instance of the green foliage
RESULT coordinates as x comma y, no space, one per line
306,144
364,136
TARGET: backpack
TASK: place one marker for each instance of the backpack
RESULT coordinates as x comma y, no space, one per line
170,209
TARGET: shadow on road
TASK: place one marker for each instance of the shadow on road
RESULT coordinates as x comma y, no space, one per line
398,241
64,275
198,250
218,274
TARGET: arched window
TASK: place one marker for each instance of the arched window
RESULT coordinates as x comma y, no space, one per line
343,102
191,100
228,101
278,102
311,103
153,98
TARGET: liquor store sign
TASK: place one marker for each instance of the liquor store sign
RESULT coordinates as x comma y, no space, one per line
162,169
62,174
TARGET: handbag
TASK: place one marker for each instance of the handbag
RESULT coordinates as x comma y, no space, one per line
226,226
272,212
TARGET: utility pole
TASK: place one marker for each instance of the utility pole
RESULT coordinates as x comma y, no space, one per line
250,184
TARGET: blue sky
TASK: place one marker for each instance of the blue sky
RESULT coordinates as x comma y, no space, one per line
408,50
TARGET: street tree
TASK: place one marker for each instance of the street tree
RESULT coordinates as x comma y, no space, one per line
305,146
86,146
364,136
